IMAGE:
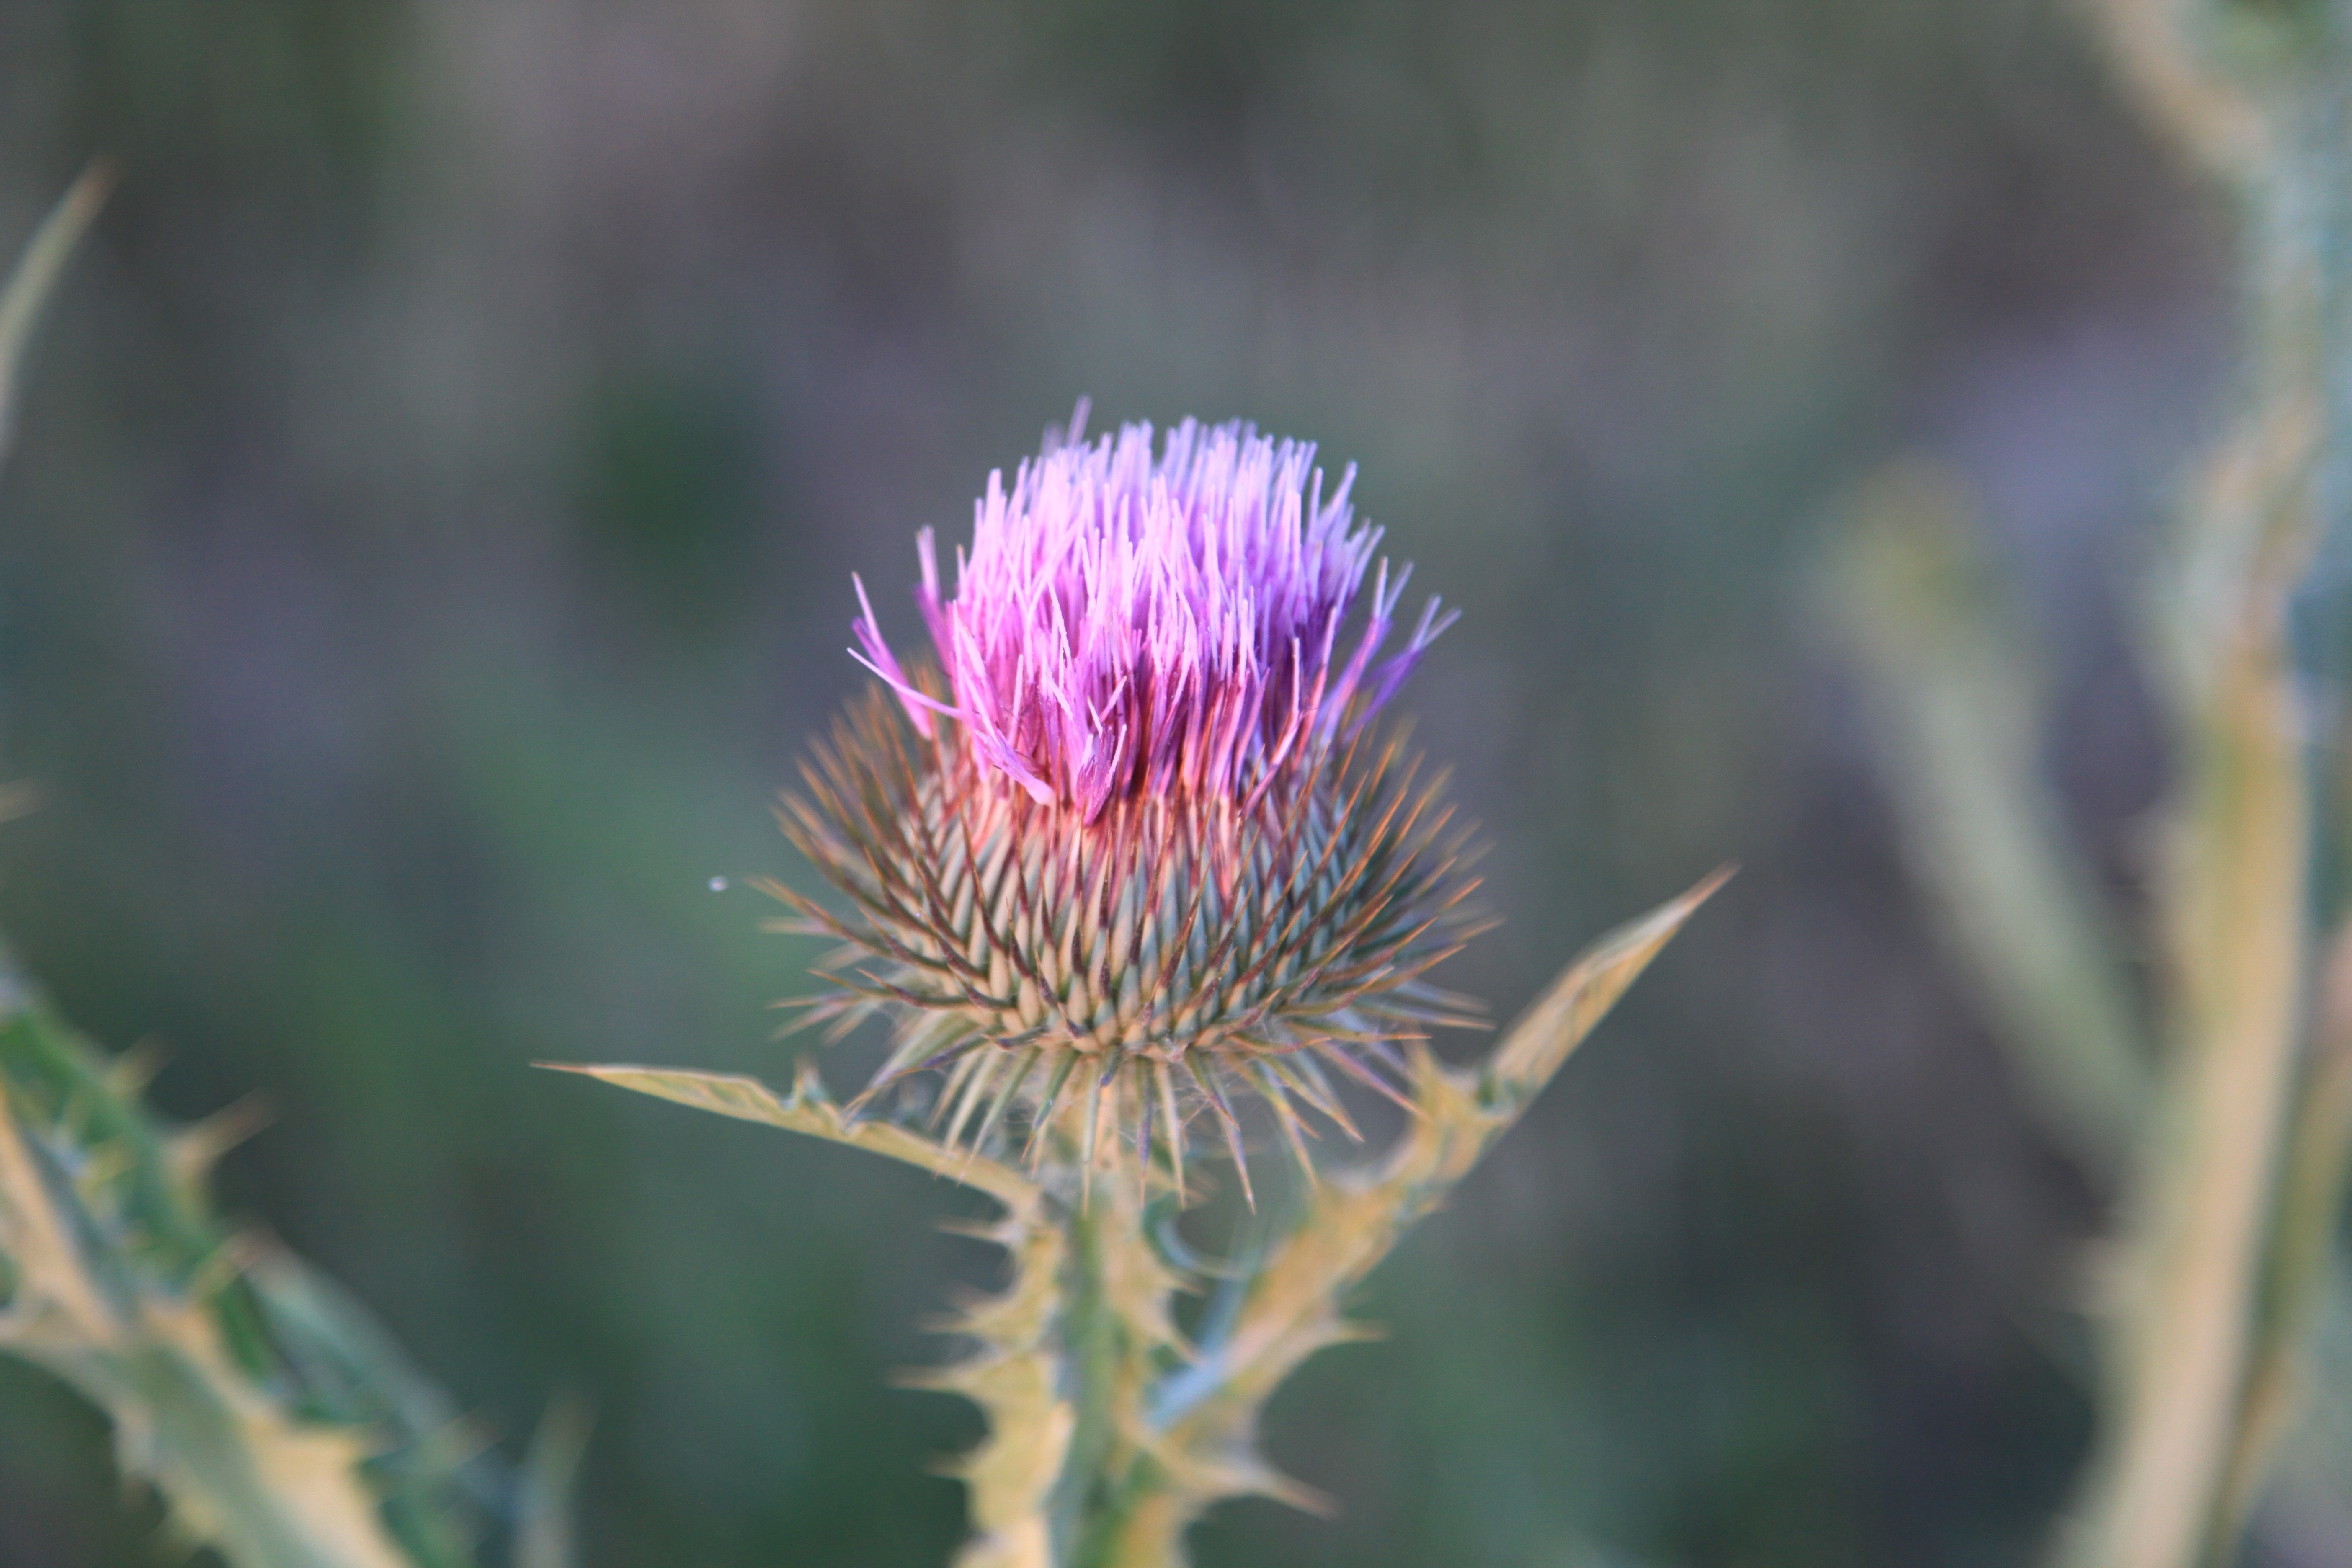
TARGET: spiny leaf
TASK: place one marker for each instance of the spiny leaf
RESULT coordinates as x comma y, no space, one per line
238,1471
1539,1043
809,1109
1016,1373
425,1454
269,1490
280,1422
1205,1414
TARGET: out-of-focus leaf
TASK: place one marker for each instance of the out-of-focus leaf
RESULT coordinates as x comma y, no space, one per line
280,1422
1958,708
28,288
426,1463
2259,96
106,1295
2232,905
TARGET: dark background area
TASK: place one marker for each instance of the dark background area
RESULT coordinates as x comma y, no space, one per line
427,548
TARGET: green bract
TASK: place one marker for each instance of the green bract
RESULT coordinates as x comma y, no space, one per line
1150,964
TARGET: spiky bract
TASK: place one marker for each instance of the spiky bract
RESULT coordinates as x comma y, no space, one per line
1151,963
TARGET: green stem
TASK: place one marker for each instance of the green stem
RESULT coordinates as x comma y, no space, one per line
1129,1531
1090,1346
1115,1333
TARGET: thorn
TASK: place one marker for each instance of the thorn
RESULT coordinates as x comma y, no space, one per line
1086,1139
1208,1086
1307,1078
1288,1115
194,1149
1174,1123
1361,1071
1053,1097
968,1096
1005,1097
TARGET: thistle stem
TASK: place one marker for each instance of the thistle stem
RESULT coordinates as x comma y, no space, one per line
1090,1345
2260,96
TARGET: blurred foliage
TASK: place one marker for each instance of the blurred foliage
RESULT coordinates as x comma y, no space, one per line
428,547
2227,1126
237,1387
271,1417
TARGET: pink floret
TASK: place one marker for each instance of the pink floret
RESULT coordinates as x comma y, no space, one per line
1131,623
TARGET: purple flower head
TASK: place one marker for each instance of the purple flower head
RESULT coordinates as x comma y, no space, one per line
1127,624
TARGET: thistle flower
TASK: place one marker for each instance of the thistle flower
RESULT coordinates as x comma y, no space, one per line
1128,850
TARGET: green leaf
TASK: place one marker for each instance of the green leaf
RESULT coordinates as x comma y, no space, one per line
276,1417
239,1471
1206,1412
811,1111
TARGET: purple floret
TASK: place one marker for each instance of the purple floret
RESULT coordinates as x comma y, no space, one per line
1125,623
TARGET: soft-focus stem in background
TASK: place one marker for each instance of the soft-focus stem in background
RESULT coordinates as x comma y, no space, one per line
2223,1215
1964,714
2225,1118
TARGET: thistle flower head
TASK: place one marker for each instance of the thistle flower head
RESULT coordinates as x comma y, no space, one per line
1129,842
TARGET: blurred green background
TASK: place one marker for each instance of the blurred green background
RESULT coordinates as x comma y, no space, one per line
429,544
